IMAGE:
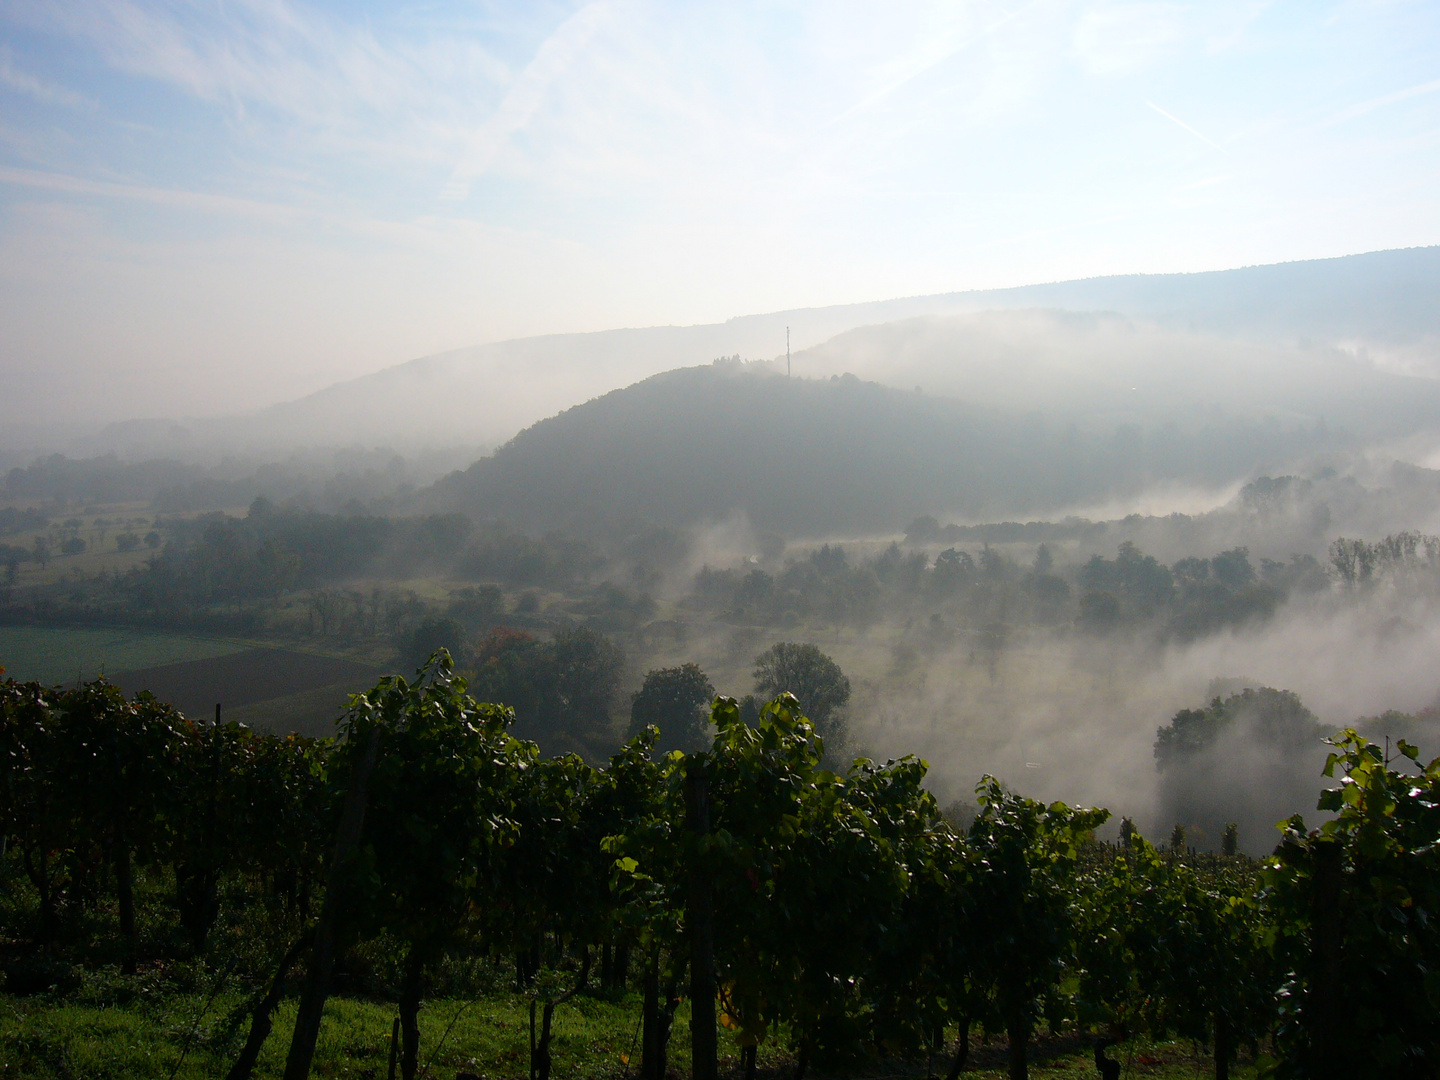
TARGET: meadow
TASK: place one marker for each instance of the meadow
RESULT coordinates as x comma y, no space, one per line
60,654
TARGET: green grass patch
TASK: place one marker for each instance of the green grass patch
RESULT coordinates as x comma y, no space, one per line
44,1039
50,1039
61,654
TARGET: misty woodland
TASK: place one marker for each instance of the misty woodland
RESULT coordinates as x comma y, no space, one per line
638,540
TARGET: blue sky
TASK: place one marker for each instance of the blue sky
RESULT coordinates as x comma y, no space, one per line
216,205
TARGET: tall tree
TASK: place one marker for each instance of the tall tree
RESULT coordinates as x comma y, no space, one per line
816,681
675,701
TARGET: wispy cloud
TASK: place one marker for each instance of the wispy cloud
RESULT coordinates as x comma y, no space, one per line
283,68
525,95
429,233
1113,38
42,90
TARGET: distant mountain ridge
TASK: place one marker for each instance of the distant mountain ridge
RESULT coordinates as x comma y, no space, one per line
1378,305
1100,370
1378,308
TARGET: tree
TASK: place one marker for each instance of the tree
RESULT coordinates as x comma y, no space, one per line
1353,560
816,681
33,809
649,884
12,557
1142,582
425,640
507,664
1247,758
953,569
441,813
1044,561
578,685
1162,947
1099,611
248,802
123,757
561,690
676,702
478,607
1232,568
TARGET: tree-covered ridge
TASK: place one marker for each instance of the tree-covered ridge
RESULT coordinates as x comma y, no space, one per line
811,457
838,911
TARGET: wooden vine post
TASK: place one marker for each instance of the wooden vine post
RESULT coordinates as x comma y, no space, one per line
700,924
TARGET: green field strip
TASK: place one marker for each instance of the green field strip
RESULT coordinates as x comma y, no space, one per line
62,654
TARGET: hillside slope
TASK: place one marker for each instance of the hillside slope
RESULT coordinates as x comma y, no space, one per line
811,457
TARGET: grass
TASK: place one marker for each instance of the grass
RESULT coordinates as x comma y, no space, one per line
60,654
47,1038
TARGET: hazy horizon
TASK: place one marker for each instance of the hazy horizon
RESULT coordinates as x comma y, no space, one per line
210,210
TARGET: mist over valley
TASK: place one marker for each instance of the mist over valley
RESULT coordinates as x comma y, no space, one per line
1031,527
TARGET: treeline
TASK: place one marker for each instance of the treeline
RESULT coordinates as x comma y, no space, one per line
1191,598
221,571
839,912
69,481
350,481
1406,559
347,578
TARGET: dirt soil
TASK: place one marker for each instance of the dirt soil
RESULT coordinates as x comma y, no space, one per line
245,679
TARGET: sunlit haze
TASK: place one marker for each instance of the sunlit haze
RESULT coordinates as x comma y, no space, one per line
209,207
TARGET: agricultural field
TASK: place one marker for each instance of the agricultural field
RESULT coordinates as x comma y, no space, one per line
276,689
270,688
61,654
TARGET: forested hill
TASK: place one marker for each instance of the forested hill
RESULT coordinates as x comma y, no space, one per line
807,457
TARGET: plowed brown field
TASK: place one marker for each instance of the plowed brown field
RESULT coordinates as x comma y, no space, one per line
273,688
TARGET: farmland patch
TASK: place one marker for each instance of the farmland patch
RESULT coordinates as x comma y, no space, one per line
278,689
63,654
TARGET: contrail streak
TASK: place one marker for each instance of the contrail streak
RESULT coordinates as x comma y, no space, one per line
1388,99
1187,127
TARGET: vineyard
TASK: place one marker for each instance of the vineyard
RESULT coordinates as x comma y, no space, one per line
741,903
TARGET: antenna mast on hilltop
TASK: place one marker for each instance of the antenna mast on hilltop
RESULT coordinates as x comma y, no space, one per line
787,352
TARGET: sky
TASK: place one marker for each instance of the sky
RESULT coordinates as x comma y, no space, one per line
211,206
